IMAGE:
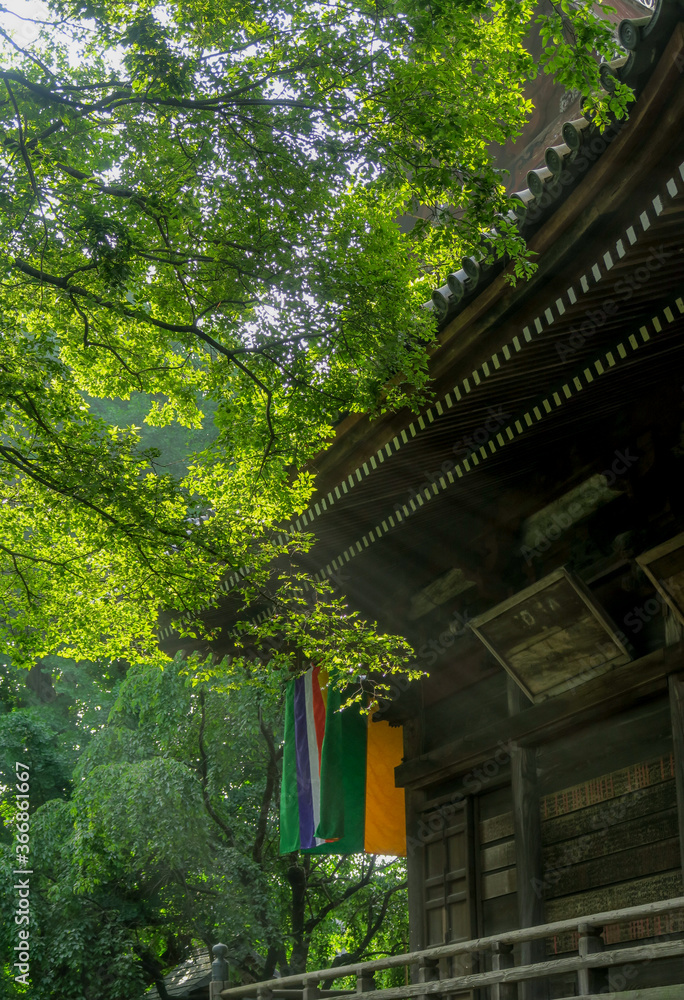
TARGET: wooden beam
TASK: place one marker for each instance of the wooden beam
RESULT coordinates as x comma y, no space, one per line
415,861
662,885
641,862
676,687
647,993
611,693
528,846
528,860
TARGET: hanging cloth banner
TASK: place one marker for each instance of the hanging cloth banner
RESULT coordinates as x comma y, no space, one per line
338,794
385,814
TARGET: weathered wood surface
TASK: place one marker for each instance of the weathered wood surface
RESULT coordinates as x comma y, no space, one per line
525,973
596,699
648,993
295,994
519,974
665,567
661,906
498,884
496,828
603,854
528,849
609,839
590,943
502,958
650,859
608,786
528,846
654,801
498,856
625,894
622,933
551,636
676,688
528,855
583,759
414,801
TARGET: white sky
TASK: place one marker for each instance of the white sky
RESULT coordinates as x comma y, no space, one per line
23,32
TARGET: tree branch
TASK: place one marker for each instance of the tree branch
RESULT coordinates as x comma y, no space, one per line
350,891
227,832
269,788
374,927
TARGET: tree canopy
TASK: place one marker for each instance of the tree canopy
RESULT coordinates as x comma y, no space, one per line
199,202
154,831
199,230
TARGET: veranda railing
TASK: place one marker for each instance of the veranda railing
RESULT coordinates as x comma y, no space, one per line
504,977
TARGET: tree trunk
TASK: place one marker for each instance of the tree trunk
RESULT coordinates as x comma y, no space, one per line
297,875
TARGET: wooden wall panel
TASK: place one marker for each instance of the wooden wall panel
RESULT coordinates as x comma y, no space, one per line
498,856
630,893
648,802
642,732
610,842
662,856
496,884
608,786
496,827
655,827
497,876
633,930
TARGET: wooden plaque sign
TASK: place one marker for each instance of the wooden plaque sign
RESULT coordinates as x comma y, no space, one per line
664,565
551,636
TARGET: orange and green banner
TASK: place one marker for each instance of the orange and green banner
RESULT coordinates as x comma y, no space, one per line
338,794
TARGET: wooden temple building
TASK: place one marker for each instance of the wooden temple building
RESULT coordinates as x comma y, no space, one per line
526,533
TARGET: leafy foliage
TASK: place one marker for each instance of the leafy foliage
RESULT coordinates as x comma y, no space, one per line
156,831
199,205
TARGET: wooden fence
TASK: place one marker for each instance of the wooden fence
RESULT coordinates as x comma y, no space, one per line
504,977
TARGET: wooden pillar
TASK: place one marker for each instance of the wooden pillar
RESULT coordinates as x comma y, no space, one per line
428,972
676,684
365,983
414,799
502,958
219,971
590,981
528,848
